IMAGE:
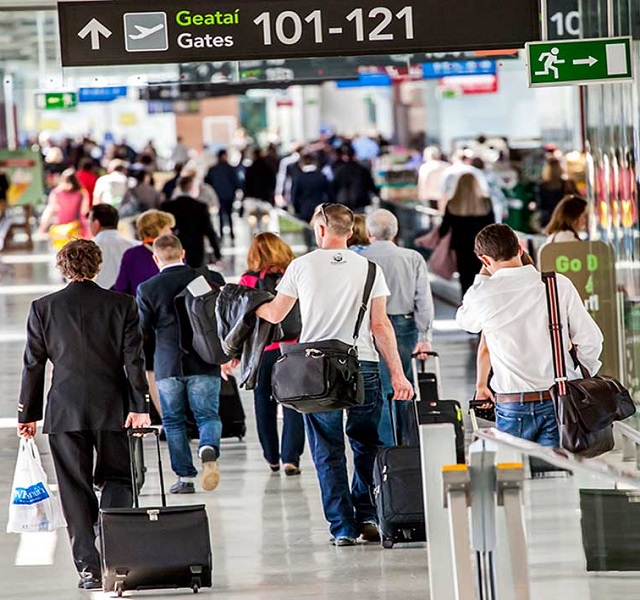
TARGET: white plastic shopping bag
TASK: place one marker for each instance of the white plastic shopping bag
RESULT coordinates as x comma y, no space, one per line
33,506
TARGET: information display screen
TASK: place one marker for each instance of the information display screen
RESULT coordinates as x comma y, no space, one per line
153,31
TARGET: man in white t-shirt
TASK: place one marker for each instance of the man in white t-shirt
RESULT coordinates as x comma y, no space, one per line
329,284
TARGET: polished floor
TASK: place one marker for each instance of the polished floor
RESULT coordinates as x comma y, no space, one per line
270,541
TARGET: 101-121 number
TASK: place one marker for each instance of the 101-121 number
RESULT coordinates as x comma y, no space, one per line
288,25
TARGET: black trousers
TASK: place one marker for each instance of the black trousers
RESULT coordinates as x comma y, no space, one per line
77,473
226,210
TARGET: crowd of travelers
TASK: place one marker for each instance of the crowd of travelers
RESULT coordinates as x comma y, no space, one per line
122,349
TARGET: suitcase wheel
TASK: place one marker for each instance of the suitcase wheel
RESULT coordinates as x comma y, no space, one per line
387,543
195,588
118,589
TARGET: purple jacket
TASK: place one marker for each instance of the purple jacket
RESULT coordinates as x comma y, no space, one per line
136,267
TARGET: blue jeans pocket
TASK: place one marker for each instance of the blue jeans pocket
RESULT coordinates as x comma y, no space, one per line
509,422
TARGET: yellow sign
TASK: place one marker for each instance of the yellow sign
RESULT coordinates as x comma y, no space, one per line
591,268
127,119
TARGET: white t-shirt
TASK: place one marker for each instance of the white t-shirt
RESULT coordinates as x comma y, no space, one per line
329,285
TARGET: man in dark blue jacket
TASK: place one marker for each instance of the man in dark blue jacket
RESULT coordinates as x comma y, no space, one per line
310,189
223,178
183,378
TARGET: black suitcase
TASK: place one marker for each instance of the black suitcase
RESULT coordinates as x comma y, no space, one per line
231,410
397,493
610,538
155,548
429,406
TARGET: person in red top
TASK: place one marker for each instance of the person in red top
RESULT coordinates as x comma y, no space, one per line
87,177
267,261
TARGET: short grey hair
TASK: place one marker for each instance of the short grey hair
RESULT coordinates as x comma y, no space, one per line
382,225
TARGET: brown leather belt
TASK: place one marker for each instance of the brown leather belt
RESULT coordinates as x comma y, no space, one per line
524,397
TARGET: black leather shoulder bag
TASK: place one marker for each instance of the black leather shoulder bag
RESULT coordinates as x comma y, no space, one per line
322,376
587,407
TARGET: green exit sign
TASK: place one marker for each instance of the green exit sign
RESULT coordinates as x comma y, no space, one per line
56,100
576,62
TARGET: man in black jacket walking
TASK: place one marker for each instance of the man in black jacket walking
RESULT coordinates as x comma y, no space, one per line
223,178
99,387
193,223
183,378
352,183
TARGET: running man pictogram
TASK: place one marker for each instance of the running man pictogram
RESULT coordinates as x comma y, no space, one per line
550,60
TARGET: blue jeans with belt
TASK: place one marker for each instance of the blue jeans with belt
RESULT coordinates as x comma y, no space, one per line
533,421
346,507
407,338
202,393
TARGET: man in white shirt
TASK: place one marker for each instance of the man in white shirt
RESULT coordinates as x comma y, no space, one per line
103,222
430,176
112,188
328,284
451,175
508,304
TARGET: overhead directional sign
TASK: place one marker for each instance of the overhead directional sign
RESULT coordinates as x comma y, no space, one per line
56,100
102,94
598,60
113,32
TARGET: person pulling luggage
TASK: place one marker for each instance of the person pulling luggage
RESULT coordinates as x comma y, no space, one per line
328,284
90,335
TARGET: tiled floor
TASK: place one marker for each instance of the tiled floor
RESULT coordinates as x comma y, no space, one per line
270,541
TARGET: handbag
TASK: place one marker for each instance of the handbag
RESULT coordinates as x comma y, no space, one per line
322,376
61,235
443,260
587,407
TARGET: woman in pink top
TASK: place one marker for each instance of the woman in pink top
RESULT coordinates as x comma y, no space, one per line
268,259
66,210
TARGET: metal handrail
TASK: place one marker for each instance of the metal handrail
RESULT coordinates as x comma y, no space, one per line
563,458
628,432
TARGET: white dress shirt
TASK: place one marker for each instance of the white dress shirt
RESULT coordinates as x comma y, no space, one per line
113,246
510,307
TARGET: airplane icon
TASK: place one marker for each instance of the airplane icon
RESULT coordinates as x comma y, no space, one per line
145,32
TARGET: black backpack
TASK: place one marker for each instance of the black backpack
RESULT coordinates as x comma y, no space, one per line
198,325
292,325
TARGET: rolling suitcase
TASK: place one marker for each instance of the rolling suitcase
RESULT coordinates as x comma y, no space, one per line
231,410
154,548
430,408
397,493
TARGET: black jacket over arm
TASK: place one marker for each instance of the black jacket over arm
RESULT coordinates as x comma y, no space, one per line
156,304
92,337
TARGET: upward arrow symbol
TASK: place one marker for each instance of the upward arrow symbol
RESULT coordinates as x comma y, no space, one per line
96,29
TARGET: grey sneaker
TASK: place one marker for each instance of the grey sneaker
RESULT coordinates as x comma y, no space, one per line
210,477
344,541
182,487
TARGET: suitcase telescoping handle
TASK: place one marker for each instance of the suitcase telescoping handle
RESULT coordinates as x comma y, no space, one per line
419,367
394,428
137,433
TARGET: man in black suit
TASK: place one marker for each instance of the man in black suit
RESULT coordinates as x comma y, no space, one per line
309,189
193,223
92,336
183,379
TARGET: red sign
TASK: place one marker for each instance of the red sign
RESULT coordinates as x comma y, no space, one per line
469,84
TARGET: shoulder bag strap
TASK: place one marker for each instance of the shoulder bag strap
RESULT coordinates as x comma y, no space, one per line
368,288
555,330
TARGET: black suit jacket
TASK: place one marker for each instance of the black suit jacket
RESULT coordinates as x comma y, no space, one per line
158,315
193,224
92,336
310,188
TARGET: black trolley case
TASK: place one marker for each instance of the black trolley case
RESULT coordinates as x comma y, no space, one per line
154,548
397,471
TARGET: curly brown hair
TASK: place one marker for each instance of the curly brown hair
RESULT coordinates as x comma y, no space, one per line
79,260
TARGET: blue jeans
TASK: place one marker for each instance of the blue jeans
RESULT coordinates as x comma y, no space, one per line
202,393
533,421
407,338
346,508
267,419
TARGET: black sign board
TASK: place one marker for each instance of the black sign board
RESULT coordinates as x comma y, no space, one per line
169,31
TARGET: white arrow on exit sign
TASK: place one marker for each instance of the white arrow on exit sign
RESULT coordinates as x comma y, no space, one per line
585,61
